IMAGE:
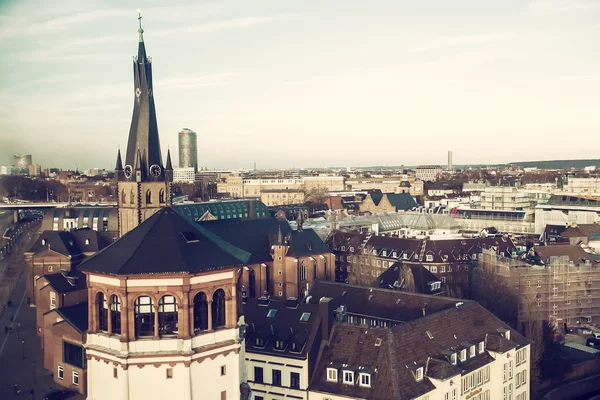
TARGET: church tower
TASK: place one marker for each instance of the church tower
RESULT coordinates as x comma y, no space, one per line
143,183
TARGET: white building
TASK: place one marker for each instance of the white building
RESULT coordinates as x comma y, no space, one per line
162,322
564,209
428,173
4,170
184,175
583,186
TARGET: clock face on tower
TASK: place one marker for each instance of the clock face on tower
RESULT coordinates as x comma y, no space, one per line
128,171
155,170
137,92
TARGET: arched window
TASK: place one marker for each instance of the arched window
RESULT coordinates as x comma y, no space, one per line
314,270
102,312
123,197
148,196
131,197
200,313
161,196
325,273
302,271
252,284
144,316
115,314
167,316
218,309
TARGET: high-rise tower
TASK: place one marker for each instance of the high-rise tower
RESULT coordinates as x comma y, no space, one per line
144,184
449,160
188,149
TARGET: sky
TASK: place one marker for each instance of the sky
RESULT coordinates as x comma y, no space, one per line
311,83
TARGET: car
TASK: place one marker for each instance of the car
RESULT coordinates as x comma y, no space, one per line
58,394
593,342
596,334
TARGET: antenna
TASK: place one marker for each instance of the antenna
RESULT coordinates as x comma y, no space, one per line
139,11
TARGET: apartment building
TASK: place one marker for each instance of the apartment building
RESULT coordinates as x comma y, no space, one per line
388,344
282,342
240,187
184,175
361,258
558,283
583,186
428,173
281,197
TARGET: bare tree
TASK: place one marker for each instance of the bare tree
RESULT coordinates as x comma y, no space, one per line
315,195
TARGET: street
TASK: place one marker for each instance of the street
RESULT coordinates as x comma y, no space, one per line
20,352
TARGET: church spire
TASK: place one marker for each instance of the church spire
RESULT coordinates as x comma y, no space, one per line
119,166
143,133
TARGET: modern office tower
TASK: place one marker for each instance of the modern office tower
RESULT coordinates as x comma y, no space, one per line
188,149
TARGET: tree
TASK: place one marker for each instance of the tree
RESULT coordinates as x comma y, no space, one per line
315,195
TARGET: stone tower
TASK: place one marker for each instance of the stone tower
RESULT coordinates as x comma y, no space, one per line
144,184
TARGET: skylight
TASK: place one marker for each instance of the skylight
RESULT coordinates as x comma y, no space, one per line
305,317
272,313
189,237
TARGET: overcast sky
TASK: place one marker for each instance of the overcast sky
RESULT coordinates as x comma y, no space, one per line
288,83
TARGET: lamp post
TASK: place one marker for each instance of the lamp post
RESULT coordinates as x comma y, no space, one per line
23,343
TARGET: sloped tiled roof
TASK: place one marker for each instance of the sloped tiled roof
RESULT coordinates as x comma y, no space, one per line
575,253
76,316
69,243
166,243
69,282
391,354
390,278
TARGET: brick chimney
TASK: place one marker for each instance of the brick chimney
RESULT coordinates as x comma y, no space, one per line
327,317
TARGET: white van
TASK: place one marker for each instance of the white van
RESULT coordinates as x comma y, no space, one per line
596,334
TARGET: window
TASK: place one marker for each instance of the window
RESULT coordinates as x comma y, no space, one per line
419,374
510,370
481,347
75,378
52,298
73,354
349,377
115,373
302,271
223,370
453,359
486,374
294,380
60,372
332,375
433,269
144,316
218,309
200,313
224,395
258,375
429,257
169,373
365,380
442,269
305,317
102,305
472,351
276,377
463,354
272,313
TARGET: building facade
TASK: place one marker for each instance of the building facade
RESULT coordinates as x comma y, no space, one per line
280,197
428,173
188,149
184,175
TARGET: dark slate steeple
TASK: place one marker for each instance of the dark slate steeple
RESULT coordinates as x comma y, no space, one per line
143,134
119,167
169,168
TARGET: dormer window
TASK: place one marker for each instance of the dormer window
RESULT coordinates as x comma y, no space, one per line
405,256
87,242
279,345
349,377
374,252
429,257
463,355
343,248
352,249
259,342
481,347
296,348
364,379
332,375
472,351
419,374
384,253
365,251
453,358
43,242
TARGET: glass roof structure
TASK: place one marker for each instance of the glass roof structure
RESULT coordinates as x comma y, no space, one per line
230,209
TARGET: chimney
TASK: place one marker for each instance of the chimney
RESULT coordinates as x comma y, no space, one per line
251,211
264,301
327,318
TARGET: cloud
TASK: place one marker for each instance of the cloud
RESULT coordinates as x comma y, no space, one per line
235,23
582,78
38,82
545,7
466,40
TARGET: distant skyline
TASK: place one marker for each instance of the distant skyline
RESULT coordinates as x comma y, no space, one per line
296,84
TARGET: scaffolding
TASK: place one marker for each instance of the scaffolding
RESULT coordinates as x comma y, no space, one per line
561,292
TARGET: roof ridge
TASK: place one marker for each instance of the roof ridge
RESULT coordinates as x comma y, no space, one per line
233,250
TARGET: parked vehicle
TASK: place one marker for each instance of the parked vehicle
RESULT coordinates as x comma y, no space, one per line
593,342
58,394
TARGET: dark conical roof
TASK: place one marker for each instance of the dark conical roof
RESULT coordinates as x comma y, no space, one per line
138,161
166,243
119,166
169,166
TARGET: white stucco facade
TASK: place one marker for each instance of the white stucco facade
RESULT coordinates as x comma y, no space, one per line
164,369
287,366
